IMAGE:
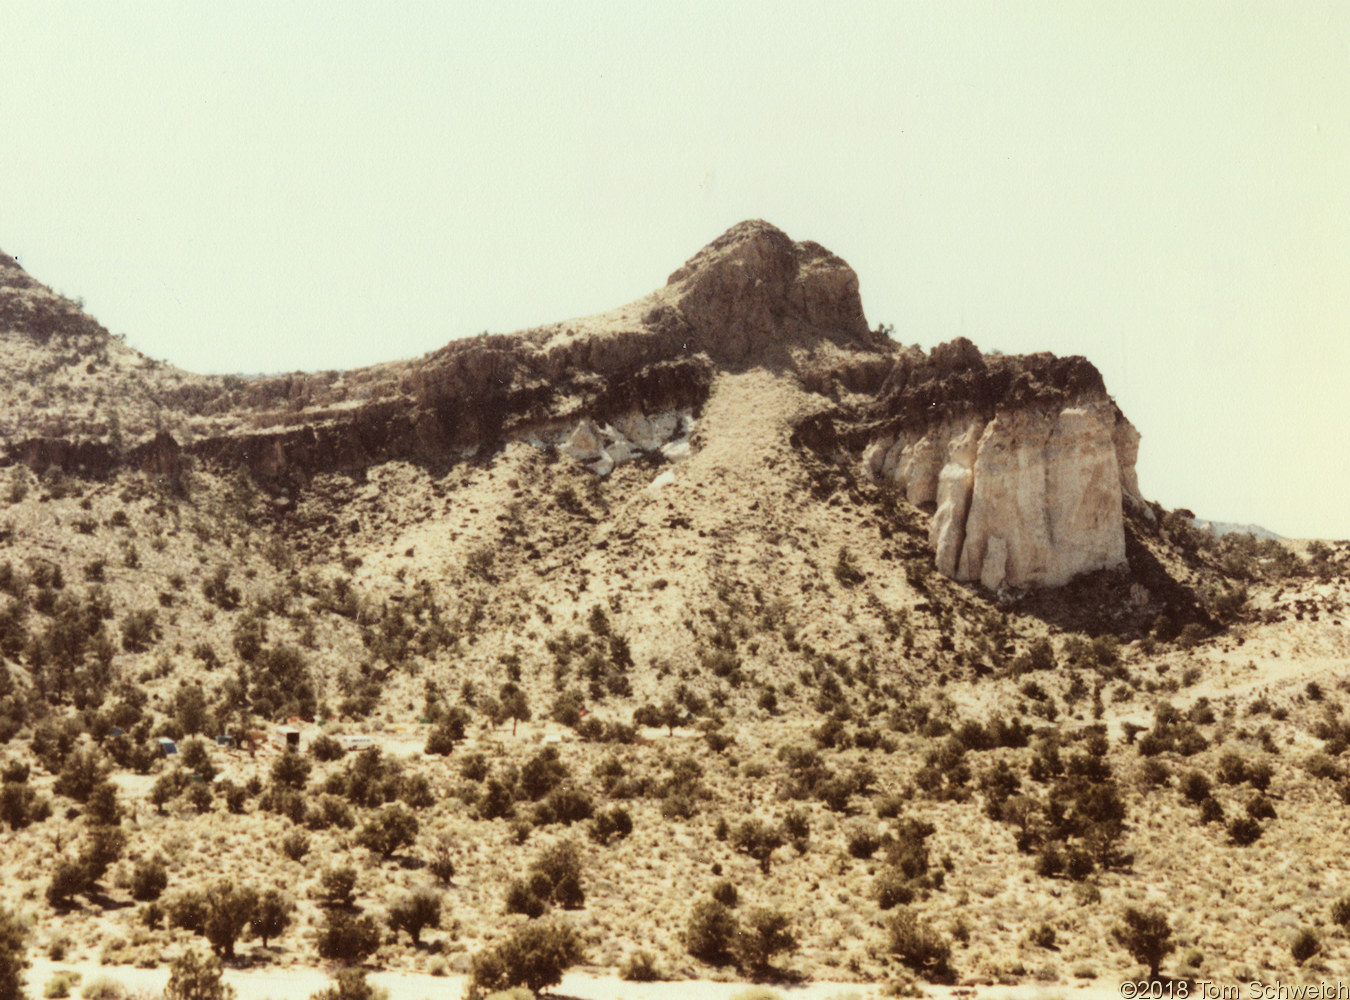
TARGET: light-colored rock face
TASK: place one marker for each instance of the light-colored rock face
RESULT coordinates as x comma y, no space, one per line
628,437
1030,498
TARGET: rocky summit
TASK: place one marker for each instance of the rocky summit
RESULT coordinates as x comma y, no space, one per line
719,636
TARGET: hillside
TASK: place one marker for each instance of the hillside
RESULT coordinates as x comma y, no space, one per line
889,640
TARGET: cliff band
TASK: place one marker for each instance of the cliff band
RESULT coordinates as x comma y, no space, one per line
1025,464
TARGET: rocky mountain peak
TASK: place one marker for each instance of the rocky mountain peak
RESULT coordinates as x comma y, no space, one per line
754,288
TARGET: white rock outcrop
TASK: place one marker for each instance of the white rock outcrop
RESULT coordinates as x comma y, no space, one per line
601,448
1030,498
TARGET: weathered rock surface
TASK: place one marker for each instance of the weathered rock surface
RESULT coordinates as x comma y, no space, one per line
1028,467
601,448
750,296
1025,462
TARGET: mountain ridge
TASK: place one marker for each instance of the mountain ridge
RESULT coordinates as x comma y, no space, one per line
752,297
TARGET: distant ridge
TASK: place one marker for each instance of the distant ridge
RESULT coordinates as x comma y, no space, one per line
1221,528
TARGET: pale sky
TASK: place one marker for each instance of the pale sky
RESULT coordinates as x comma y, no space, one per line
1163,187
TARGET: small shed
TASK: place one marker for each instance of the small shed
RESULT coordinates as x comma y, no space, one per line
167,747
225,741
287,738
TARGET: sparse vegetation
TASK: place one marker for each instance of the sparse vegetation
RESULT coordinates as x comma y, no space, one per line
1145,934
523,690
534,957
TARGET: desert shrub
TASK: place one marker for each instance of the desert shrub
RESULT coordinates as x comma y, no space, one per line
1340,912
512,704
1321,765
473,767
542,773
1145,934
1191,635
69,879
21,806
892,888
337,886
1259,775
230,910
1040,655
326,748
291,770
1042,936
197,977
1244,830
235,795
534,957
497,800
329,811
199,796
59,986
559,866
1180,737
1153,773
640,967
1050,861
611,824
351,984
1260,807
764,933
679,806
347,938
441,858
279,680
1078,864
1231,769
836,793
566,805
187,910
909,851
167,787
862,842
295,844
272,915
1210,810
998,784
448,732
711,932
102,846
522,898
139,629
217,589
918,945
757,839
82,772
149,879
101,988
13,955
845,570
414,912
1195,787
724,891
393,827
890,806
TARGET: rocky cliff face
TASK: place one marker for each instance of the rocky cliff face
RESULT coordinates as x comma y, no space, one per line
1025,463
